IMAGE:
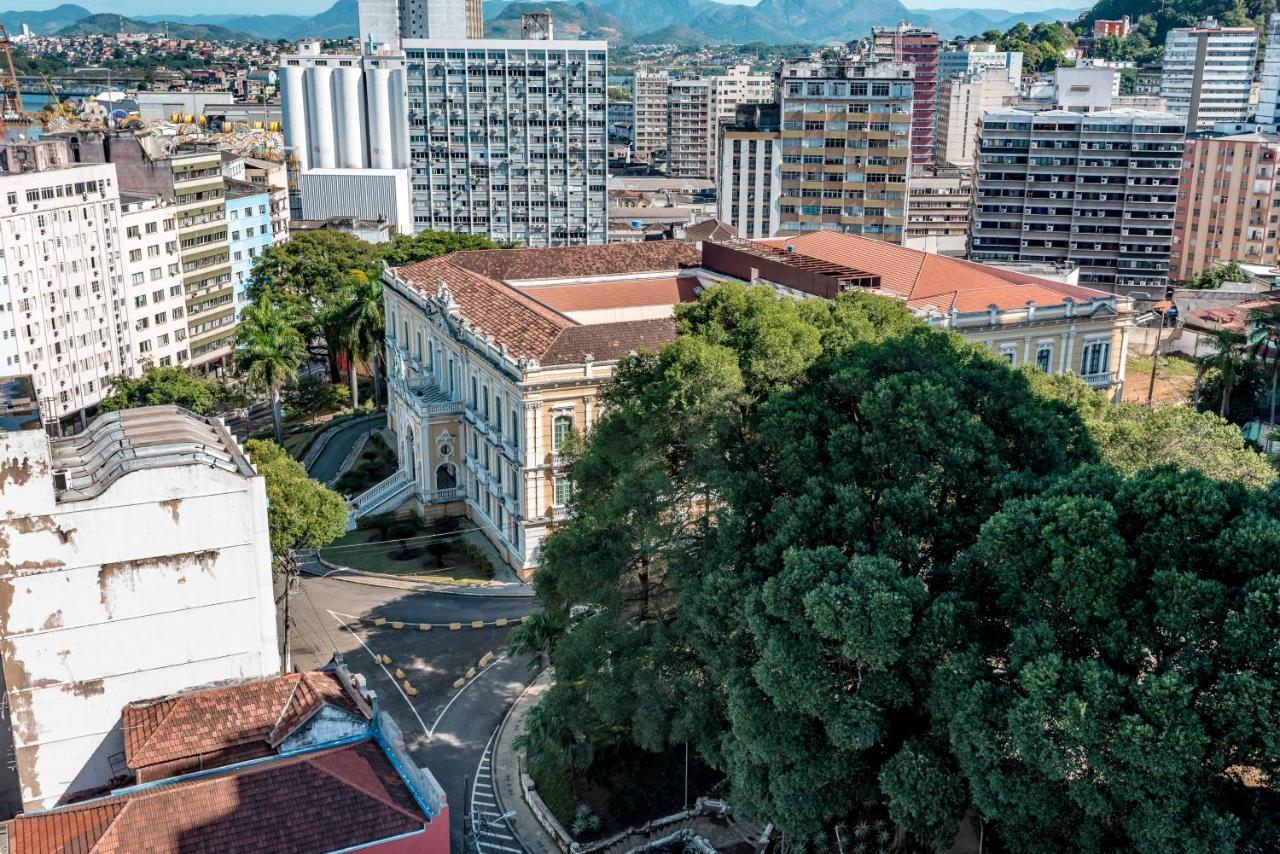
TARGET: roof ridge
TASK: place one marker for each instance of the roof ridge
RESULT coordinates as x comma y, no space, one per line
171,705
284,707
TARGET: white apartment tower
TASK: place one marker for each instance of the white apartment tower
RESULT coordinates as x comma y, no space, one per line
1208,72
691,127
961,103
153,290
750,181
62,309
386,23
1269,88
739,86
650,96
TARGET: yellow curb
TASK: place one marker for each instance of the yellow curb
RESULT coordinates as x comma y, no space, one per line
386,659
399,673
460,682
397,625
424,627
485,659
471,673
501,621
409,689
380,621
525,618
453,627
478,624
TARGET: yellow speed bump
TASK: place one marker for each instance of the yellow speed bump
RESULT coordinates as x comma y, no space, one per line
471,673
453,627
380,621
501,621
424,627
397,625
525,618
458,683
409,689
477,624
399,673
485,659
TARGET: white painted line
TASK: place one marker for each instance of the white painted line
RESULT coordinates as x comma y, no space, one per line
496,847
394,681
489,832
431,732
484,803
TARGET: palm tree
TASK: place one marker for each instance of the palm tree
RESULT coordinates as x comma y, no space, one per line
1264,334
362,327
269,351
1225,347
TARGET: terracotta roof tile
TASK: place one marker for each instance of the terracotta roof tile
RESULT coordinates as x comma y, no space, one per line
711,229
324,801
568,261
238,721
608,341
926,280
601,295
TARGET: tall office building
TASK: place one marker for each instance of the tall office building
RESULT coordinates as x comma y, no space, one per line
1228,203
509,139
691,126
846,146
751,171
650,98
386,23
921,48
1269,87
961,103
1098,189
62,309
1208,73
973,57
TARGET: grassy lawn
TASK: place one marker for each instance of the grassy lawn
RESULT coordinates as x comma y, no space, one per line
365,551
1175,379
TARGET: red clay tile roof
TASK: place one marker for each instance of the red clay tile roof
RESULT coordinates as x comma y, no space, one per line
322,801
1231,317
935,281
711,229
608,341
239,721
567,261
602,295
531,327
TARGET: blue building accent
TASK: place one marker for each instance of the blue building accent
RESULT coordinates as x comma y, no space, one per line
248,233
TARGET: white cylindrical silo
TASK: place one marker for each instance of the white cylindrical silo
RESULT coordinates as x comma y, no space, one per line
398,107
321,132
349,106
380,146
294,96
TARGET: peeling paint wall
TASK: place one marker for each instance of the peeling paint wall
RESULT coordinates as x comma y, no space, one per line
160,584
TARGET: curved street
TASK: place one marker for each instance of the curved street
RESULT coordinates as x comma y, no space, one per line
413,671
327,465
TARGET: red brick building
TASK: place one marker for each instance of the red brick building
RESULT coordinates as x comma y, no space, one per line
905,43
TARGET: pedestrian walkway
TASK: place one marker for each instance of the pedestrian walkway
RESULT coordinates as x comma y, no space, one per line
489,825
506,769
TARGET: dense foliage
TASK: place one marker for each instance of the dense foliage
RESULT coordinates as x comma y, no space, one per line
1043,46
301,512
1168,14
174,385
1218,275
860,565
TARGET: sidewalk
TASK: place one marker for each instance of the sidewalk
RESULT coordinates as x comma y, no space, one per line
507,768
309,564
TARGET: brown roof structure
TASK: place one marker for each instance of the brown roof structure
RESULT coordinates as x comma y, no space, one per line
325,800
532,320
218,726
711,229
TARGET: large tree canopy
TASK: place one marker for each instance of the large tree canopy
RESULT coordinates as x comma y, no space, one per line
301,512
864,568
175,385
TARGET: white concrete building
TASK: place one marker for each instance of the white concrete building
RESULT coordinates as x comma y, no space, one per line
739,86
1085,88
135,563
154,297
1208,73
1269,77
751,171
961,103
62,303
650,99
977,56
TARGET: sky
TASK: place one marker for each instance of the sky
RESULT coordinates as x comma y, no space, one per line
311,7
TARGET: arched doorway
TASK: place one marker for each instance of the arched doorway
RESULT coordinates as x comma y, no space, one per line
446,477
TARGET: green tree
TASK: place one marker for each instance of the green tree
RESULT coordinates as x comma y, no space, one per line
1215,276
1264,336
1226,356
424,245
362,328
301,512
269,350
174,385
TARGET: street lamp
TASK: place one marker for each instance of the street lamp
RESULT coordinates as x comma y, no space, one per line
1163,310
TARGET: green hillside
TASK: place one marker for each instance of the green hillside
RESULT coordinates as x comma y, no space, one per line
106,24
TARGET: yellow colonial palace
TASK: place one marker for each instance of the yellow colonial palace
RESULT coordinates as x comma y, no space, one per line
496,357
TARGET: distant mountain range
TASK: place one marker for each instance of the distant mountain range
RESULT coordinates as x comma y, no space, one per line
647,21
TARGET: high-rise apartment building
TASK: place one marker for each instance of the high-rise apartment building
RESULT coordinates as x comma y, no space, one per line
739,86
691,128
1208,73
62,309
940,210
154,293
961,103
248,233
501,137
846,146
1098,189
973,57
1228,203
921,48
1269,77
751,171
509,139
386,23
650,97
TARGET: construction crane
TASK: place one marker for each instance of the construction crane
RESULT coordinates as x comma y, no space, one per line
56,106
10,90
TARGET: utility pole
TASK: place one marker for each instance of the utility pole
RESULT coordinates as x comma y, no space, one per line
1155,360
289,566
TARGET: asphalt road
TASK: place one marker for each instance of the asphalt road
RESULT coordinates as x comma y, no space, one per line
446,729
325,468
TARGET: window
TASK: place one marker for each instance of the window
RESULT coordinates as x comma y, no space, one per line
562,489
1095,358
1044,358
561,430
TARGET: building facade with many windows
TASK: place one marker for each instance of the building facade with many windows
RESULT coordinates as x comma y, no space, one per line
1097,189
156,301
846,146
249,233
921,48
751,171
1207,73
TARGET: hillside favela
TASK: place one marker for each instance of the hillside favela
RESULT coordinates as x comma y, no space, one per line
611,426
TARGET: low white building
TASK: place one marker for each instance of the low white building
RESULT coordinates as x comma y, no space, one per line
365,194
134,562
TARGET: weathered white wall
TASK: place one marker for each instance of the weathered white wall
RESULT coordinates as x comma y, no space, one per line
160,584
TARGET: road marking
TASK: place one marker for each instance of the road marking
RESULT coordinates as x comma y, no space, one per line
407,701
431,732
480,843
491,822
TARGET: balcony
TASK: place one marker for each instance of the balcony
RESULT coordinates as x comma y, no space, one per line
1103,380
